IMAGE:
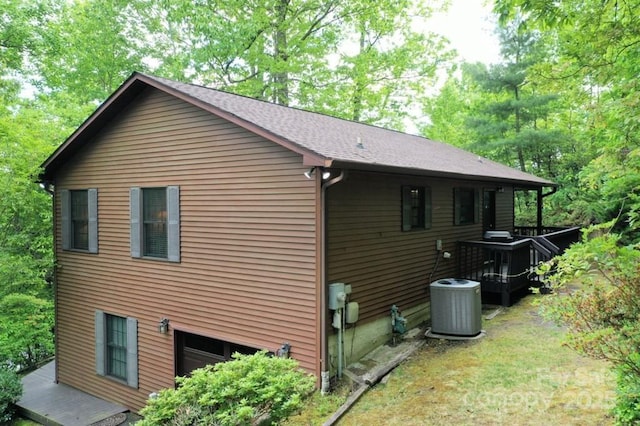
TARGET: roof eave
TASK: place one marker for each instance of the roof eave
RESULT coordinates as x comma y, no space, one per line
310,158
132,87
518,183
104,113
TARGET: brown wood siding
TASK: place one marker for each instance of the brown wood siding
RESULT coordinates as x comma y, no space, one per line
248,244
368,249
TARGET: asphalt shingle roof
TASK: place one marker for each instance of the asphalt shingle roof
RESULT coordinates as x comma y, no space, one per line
337,142
346,141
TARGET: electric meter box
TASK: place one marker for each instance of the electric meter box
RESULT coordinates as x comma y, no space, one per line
337,295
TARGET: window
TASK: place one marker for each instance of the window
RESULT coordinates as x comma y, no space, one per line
117,347
154,227
416,207
466,206
79,220
79,211
195,351
155,223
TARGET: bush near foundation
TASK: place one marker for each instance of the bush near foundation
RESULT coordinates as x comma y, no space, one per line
10,393
245,391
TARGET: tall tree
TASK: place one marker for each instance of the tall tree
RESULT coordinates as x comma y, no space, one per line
26,252
359,60
450,110
517,121
261,48
93,46
509,113
596,48
597,45
21,31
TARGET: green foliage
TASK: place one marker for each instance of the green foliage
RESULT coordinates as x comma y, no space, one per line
278,51
26,325
627,409
21,32
594,67
10,393
93,47
26,240
602,315
243,391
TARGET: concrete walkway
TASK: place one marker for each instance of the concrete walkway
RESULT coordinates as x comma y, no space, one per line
56,404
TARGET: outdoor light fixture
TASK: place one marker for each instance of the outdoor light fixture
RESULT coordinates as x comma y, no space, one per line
163,325
309,172
325,173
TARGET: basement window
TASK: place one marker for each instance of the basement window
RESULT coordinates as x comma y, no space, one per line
196,351
116,347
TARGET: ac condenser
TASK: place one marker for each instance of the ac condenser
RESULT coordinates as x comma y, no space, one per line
456,307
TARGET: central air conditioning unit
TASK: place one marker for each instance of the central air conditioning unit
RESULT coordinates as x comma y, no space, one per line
456,307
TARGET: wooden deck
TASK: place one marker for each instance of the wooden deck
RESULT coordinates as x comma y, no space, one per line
49,403
506,268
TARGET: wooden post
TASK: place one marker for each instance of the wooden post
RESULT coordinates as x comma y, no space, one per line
539,212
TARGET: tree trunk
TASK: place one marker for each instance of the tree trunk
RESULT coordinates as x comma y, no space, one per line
280,77
357,80
519,147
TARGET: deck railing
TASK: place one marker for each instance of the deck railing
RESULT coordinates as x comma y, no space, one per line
506,267
561,238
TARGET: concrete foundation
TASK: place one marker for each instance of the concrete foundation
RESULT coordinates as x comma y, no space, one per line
361,338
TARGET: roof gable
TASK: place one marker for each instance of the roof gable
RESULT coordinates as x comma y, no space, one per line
321,139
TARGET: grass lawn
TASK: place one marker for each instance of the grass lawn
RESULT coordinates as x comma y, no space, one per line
519,374
23,422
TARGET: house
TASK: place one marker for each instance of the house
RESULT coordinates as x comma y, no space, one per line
192,223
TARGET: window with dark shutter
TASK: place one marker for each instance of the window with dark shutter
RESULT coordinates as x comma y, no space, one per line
416,208
466,206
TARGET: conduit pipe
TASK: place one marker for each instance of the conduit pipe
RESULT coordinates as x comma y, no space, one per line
324,338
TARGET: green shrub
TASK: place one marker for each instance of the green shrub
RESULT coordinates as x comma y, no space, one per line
627,408
10,393
239,392
602,315
26,324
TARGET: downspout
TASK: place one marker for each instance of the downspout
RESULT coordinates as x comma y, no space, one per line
541,196
324,345
49,188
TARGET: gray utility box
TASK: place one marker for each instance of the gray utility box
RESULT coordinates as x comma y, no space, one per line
456,307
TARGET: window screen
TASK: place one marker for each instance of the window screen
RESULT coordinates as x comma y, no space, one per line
116,346
79,220
154,213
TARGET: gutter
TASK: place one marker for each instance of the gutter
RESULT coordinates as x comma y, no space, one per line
554,189
324,338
